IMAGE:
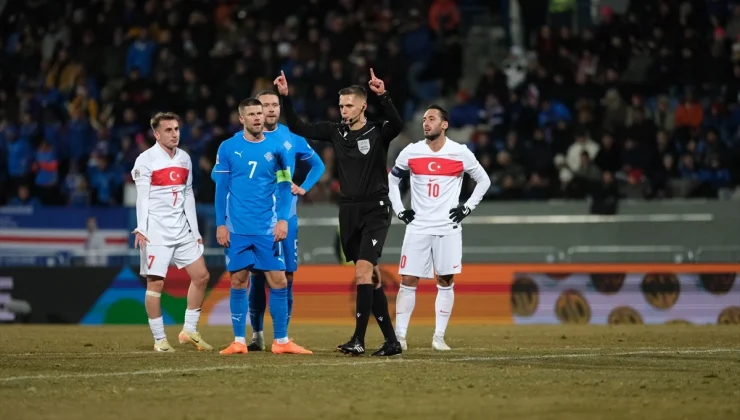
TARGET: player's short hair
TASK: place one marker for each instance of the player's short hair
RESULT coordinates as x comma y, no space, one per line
266,92
249,102
163,116
354,90
442,113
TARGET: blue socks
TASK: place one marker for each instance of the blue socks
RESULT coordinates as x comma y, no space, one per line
257,301
290,300
238,305
279,312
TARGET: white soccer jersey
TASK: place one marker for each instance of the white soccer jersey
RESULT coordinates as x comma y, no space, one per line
436,182
165,206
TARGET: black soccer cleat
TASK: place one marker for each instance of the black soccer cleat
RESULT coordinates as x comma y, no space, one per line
389,349
256,345
354,347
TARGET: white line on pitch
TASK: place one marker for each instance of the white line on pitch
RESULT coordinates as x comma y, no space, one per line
359,363
415,350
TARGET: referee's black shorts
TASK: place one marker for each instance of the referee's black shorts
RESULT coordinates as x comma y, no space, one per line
363,227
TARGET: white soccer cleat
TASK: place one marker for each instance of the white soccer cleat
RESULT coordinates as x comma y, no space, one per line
195,339
438,343
163,346
402,340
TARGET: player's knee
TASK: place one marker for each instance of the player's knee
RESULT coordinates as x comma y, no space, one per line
155,284
239,279
410,281
376,276
445,281
201,279
363,272
277,280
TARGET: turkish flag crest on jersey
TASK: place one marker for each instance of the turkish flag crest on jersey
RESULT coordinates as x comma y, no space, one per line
436,166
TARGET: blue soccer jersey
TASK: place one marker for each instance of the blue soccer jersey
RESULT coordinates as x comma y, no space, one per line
252,172
298,149
253,182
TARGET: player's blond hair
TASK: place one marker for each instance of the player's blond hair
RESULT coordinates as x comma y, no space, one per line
163,116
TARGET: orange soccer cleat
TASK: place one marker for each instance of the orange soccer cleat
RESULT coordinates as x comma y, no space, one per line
235,348
289,348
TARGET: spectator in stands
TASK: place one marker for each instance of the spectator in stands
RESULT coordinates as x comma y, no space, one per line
24,198
46,167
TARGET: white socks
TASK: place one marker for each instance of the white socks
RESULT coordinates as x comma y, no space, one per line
405,302
157,327
240,340
191,320
443,308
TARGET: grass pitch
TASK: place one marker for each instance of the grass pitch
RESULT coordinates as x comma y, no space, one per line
543,372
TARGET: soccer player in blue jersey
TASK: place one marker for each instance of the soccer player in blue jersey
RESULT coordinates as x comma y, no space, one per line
253,196
298,149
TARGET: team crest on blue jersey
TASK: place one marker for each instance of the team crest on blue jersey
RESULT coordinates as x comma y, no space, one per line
287,145
268,156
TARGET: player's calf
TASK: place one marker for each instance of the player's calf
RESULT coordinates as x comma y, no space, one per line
238,305
199,278
405,303
443,310
154,287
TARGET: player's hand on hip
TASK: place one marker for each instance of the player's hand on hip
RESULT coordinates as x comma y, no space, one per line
458,213
376,85
407,216
296,190
281,230
282,84
140,240
223,237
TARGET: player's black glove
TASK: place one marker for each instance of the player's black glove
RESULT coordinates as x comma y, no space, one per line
407,216
458,213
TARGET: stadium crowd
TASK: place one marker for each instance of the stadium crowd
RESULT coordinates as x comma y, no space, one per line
642,105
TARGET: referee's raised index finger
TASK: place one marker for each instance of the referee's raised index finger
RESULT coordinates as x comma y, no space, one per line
372,73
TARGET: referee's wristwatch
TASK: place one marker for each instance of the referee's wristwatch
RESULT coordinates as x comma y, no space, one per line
407,216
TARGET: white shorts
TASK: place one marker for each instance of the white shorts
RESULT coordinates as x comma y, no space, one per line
423,255
156,259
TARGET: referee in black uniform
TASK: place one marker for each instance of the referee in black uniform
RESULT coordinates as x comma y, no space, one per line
361,148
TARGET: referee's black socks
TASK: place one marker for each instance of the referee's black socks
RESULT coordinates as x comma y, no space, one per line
364,308
380,311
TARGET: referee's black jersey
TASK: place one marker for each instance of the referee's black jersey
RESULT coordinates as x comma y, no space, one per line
361,154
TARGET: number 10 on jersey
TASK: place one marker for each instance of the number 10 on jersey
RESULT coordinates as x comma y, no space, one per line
433,190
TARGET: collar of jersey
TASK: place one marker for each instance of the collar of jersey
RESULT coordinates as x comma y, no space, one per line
440,149
164,152
241,134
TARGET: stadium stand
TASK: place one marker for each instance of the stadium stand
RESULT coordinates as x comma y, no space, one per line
642,105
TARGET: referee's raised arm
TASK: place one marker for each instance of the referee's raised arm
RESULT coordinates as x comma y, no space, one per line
393,126
320,131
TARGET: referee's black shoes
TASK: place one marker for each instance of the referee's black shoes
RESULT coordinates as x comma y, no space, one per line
354,347
389,349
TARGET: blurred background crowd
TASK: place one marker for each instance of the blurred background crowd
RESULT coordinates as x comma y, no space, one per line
642,103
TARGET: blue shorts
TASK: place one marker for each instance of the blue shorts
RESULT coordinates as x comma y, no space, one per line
254,252
290,246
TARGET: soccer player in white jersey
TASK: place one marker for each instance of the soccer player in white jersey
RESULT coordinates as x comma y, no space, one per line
433,240
167,228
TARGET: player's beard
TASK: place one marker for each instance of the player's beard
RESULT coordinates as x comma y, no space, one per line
271,125
254,132
433,135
